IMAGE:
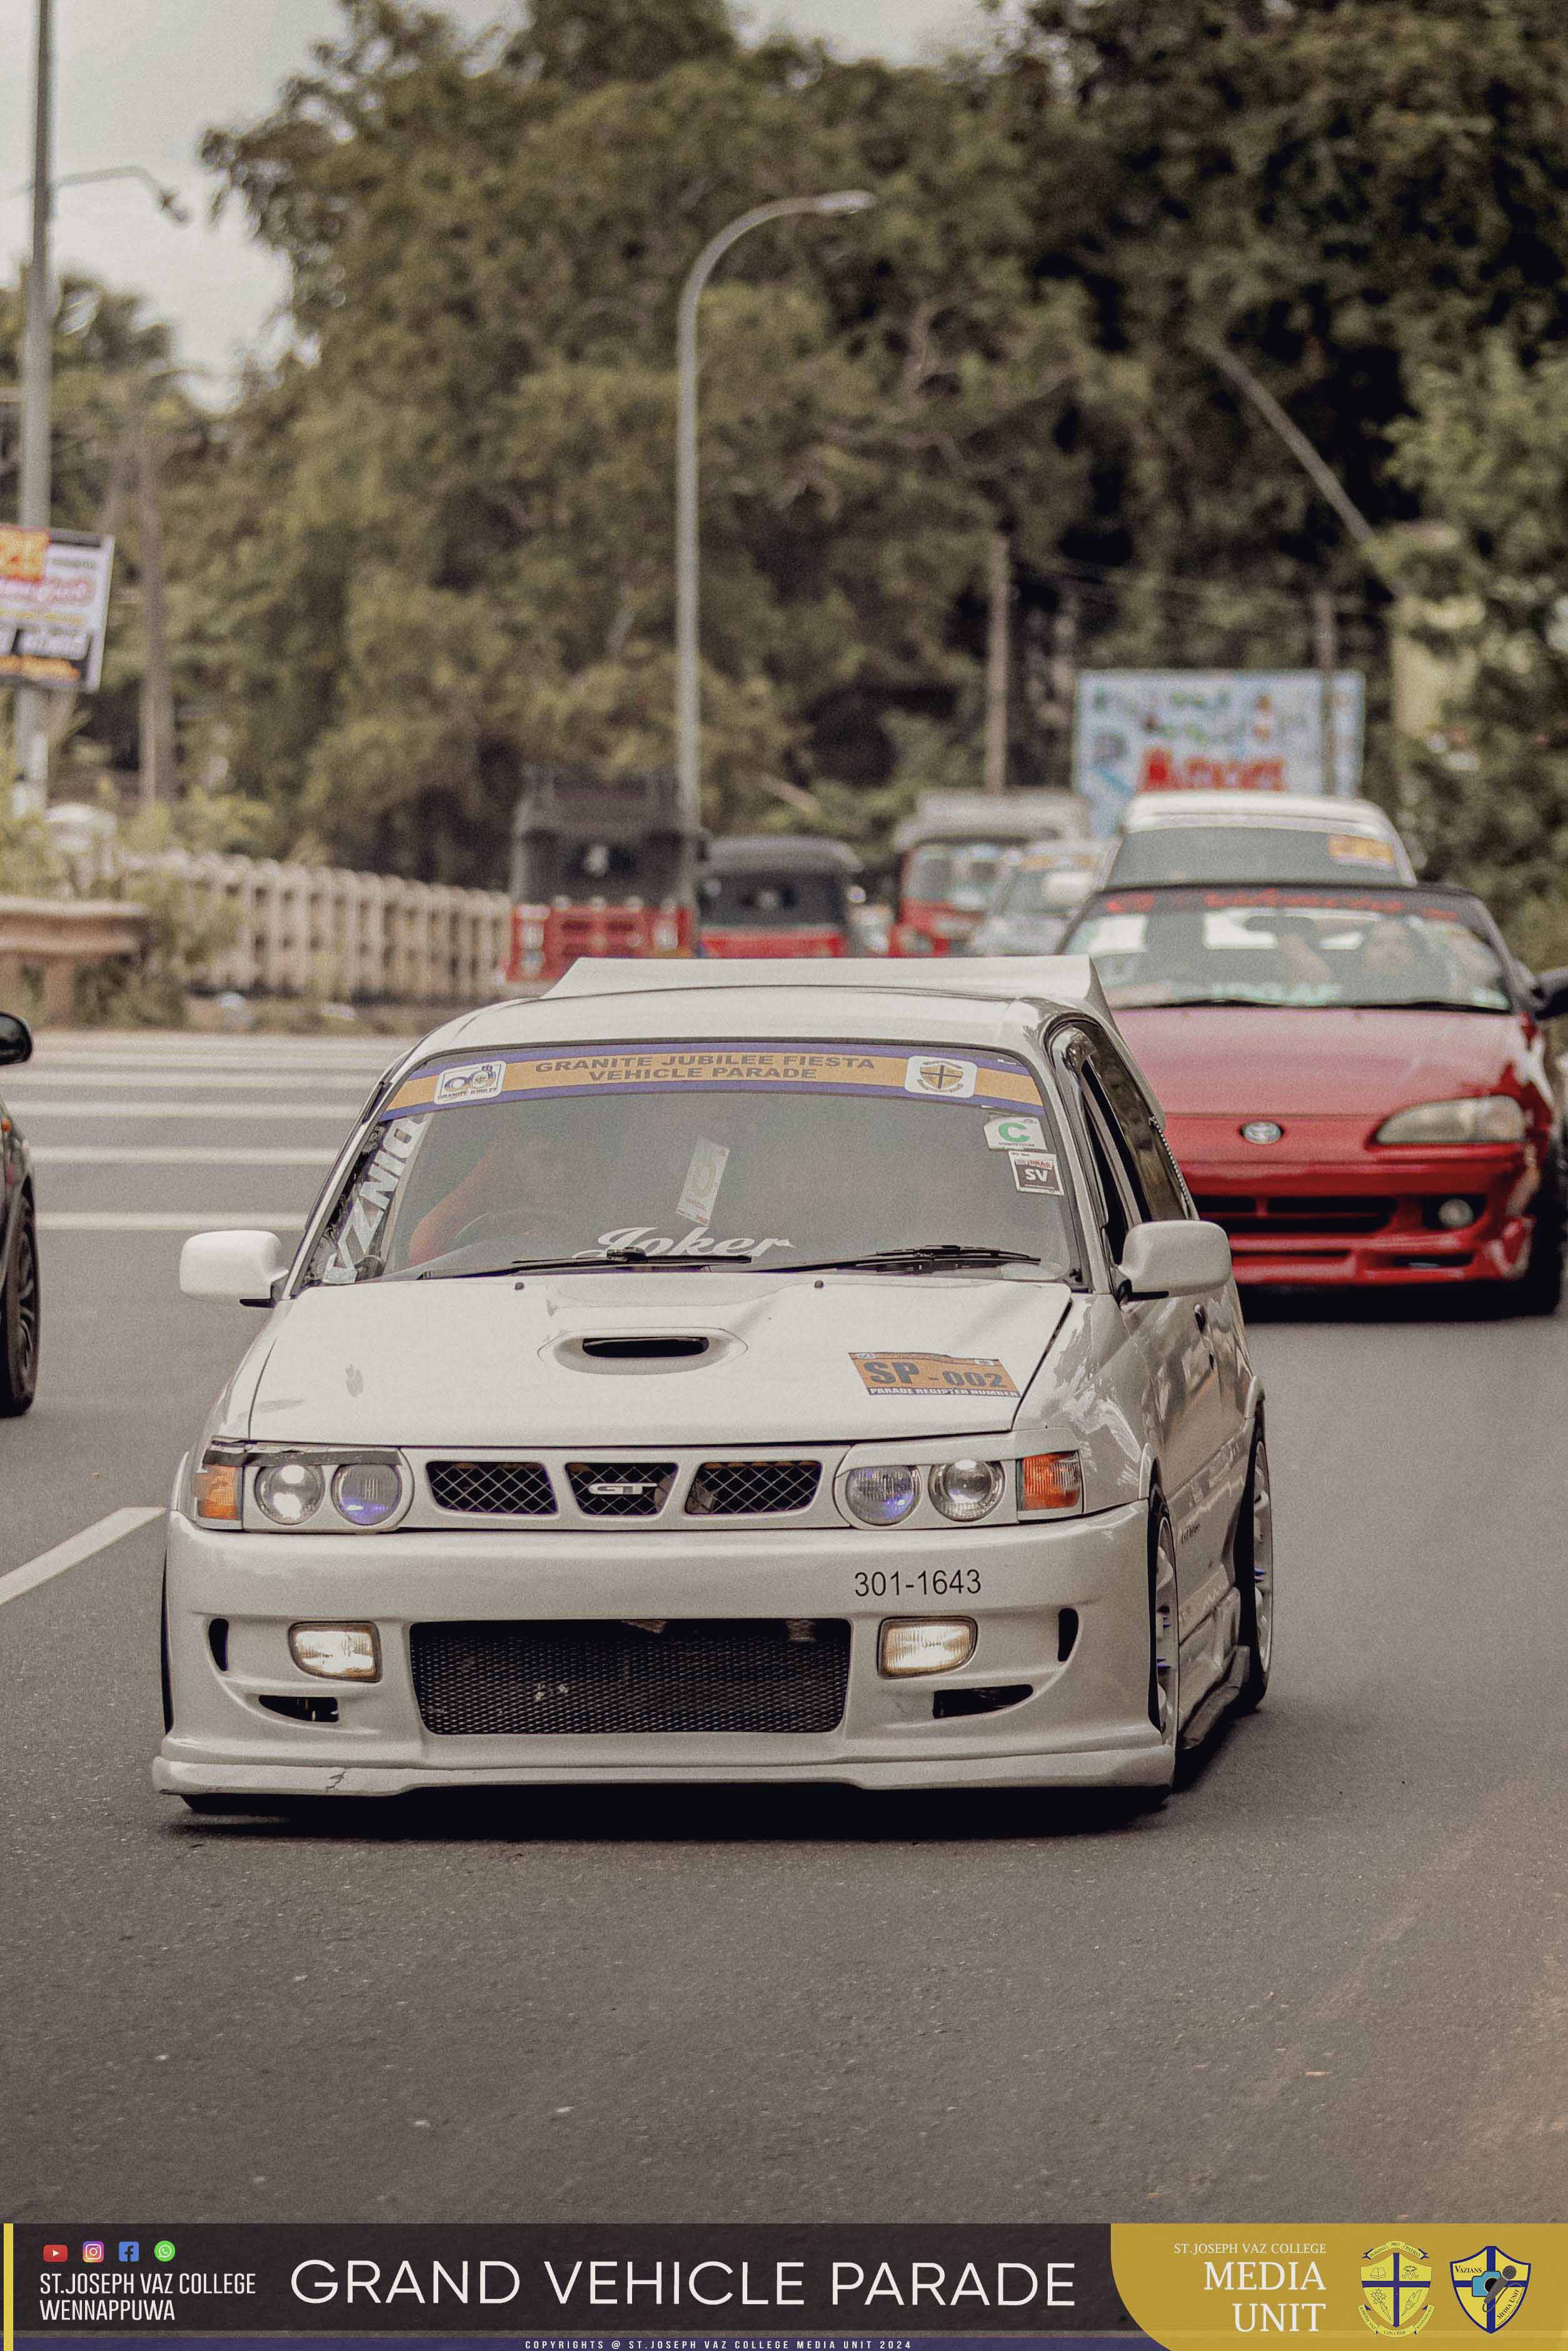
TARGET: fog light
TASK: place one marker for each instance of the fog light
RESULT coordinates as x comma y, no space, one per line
967,1489
366,1492
1049,1485
337,1652
924,1644
290,1492
1452,1214
880,1498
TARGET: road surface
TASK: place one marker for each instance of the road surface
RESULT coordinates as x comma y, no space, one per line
1329,1979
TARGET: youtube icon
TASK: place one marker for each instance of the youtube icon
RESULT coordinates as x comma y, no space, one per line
56,2252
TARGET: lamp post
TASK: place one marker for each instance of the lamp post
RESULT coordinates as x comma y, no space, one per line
688,708
32,733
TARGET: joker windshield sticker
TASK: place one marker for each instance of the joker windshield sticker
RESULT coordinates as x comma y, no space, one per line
995,1080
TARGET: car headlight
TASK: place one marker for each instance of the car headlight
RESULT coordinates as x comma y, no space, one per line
965,1491
880,1498
289,1492
1481,1118
367,1493
1051,1485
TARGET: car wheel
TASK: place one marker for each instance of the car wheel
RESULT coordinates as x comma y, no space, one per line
1255,1575
1165,1650
1538,1289
19,1323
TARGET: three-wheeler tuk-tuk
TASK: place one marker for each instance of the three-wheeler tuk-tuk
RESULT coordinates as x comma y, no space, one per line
779,895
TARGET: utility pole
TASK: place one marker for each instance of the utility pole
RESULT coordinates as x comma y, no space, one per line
999,648
32,739
1326,641
1064,670
157,691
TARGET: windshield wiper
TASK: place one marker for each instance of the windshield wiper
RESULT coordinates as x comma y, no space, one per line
928,1258
613,1260
1412,1004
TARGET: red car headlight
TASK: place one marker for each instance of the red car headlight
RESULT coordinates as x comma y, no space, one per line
1480,1118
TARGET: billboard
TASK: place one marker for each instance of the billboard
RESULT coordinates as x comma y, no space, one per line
54,607
1150,730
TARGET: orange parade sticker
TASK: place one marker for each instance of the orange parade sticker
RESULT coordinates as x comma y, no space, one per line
23,553
1359,849
925,1375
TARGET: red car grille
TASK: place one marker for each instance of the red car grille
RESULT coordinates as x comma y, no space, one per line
1282,1216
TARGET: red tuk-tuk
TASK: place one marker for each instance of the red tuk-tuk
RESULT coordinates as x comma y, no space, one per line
602,864
778,894
952,850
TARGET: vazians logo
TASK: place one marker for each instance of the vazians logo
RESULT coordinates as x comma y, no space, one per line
1490,2285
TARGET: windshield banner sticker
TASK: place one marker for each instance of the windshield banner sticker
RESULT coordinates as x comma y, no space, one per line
1035,1171
1014,1134
699,1194
994,1079
470,1081
924,1375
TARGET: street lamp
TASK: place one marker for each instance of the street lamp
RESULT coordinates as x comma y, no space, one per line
688,712
32,736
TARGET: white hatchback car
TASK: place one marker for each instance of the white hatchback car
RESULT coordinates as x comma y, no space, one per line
1215,836
818,1375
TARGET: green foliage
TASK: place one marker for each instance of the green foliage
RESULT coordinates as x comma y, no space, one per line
29,867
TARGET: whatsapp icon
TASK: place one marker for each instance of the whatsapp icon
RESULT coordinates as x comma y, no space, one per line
163,2250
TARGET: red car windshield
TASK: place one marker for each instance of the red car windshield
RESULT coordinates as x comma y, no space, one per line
1295,947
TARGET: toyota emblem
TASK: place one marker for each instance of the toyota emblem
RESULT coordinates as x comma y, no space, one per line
1261,1130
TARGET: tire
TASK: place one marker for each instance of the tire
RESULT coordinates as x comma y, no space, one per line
1165,1648
1255,1575
19,1317
1538,1289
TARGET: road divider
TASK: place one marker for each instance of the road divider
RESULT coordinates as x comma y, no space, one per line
178,1154
169,1220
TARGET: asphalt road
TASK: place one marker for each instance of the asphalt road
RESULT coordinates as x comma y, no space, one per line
1328,1980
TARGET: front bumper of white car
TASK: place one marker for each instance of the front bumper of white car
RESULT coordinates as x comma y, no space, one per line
475,1685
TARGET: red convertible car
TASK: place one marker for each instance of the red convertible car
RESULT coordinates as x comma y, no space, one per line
1356,1079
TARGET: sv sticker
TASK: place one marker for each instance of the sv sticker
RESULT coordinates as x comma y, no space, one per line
1035,1171
926,1374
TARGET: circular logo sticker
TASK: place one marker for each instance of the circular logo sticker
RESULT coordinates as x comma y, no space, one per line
163,2250
1261,1130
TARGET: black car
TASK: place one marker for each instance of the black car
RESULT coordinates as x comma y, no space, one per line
18,1244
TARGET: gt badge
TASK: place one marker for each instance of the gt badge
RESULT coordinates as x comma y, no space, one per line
1261,1130
1490,2287
474,1082
1396,2288
924,1074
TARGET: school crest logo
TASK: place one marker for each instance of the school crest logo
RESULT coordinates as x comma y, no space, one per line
1490,2285
953,1079
1396,2288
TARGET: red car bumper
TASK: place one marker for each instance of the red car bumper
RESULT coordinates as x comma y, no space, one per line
1354,1215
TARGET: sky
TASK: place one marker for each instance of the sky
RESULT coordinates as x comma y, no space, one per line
138,82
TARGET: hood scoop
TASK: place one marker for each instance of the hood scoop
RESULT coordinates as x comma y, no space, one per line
645,1350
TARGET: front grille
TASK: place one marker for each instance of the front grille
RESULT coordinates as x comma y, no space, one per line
501,1680
739,1490
1284,1213
501,1489
621,1489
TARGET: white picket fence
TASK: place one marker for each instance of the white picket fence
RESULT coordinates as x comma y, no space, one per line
319,930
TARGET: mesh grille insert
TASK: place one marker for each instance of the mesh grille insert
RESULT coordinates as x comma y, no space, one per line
738,1489
754,1674
621,1489
502,1489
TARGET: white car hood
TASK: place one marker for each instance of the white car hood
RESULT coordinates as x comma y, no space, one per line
478,1362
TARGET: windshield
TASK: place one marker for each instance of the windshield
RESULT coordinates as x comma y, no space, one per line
1249,852
1044,885
779,1154
957,874
1292,947
771,901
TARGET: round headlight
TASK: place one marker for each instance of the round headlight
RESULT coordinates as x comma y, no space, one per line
967,1489
366,1492
880,1498
291,1491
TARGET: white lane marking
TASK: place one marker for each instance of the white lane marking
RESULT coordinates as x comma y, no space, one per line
187,1080
76,1548
168,1220
179,1155
341,1109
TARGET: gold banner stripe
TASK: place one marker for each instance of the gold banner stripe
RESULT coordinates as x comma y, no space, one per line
818,1072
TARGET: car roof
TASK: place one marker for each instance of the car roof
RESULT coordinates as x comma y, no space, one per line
779,852
1147,811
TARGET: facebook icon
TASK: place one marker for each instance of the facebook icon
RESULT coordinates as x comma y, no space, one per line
131,2248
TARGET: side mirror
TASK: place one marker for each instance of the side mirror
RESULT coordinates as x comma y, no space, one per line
1552,995
16,1039
241,1268
1174,1259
